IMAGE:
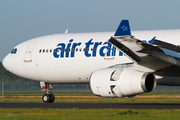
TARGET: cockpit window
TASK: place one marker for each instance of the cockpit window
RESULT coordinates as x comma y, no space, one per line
14,51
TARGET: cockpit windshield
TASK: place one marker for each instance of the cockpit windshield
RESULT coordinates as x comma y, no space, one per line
14,51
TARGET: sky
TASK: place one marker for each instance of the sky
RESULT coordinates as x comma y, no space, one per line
21,20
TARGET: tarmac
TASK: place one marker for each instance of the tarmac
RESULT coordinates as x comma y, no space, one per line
91,105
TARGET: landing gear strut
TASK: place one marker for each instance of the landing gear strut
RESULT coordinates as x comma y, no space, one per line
48,97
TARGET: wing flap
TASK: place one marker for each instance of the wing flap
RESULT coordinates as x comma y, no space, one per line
124,49
166,45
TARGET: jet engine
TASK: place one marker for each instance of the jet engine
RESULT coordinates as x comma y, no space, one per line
121,82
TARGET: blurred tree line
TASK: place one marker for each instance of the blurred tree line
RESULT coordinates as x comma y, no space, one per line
15,83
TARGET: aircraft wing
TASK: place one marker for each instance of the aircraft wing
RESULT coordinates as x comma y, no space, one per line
138,50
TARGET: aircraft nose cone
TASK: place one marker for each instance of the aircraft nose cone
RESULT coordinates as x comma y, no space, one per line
6,63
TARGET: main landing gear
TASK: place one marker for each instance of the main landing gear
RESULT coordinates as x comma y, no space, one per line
48,97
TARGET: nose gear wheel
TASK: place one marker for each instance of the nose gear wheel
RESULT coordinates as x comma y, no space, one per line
48,97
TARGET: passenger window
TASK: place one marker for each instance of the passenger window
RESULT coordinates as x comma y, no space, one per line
46,50
43,50
50,50
84,49
65,50
57,50
76,49
73,50
40,51
54,50
91,49
80,49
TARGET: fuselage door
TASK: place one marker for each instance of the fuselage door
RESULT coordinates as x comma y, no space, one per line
28,53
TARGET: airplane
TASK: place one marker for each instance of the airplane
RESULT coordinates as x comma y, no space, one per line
120,64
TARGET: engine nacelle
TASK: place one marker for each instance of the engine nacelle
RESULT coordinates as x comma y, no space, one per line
121,82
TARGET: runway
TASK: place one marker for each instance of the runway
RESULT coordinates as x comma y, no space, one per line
91,105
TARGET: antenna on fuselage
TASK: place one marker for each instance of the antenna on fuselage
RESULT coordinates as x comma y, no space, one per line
66,31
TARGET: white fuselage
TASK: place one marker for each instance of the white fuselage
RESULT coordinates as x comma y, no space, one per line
36,59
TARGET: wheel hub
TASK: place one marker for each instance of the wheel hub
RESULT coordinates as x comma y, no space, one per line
45,98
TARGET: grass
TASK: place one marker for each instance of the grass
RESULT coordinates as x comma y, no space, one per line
92,100
39,94
88,114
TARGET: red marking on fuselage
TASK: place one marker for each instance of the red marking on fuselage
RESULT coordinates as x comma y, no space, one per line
27,62
98,90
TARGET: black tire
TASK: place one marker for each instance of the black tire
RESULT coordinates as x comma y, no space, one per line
46,98
52,98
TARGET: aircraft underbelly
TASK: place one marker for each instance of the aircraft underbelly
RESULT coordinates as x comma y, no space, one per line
71,70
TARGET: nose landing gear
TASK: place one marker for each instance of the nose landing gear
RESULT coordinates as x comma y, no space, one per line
48,97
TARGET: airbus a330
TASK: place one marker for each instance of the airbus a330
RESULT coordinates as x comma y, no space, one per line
115,64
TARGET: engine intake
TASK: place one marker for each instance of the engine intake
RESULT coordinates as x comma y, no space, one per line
121,82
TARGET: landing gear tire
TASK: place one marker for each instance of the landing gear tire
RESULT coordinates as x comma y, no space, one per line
52,98
48,98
